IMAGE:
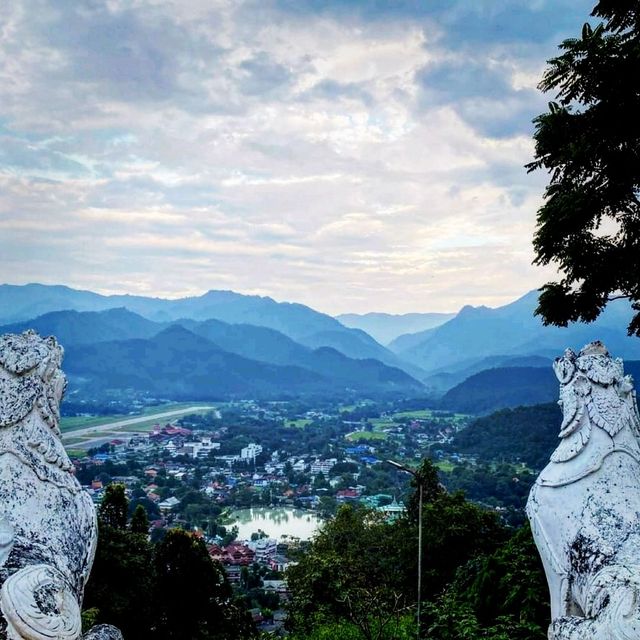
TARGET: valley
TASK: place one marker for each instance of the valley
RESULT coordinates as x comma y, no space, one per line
258,425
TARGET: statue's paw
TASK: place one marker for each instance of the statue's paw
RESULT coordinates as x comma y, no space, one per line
38,604
103,632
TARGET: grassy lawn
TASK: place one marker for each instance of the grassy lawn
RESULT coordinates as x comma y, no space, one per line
72,441
80,422
445,465
379,424
366,435
416,415
301,423
76,453
425,414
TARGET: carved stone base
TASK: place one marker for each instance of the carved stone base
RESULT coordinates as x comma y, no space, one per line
38,604
103,632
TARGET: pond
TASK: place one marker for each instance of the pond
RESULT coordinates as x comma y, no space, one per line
277,523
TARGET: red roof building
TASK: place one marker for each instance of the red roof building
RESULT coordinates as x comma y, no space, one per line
235,554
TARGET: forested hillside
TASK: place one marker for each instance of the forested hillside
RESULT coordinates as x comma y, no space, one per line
522,435
503,387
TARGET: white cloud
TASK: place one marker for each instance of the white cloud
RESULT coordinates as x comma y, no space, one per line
235,145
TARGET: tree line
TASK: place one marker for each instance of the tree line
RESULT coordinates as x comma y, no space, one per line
171,590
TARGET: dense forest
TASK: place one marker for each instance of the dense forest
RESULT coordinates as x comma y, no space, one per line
493,389
170,590
522,435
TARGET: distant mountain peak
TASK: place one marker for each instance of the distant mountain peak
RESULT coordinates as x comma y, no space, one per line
471,311
176,330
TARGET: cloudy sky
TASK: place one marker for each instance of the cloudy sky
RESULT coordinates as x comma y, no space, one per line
353,155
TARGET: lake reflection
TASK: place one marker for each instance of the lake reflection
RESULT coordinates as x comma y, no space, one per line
276,523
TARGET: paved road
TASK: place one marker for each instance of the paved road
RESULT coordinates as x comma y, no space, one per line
110,426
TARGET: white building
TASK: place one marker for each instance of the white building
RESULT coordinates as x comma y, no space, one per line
250,452
201,448
323,466
169,504
265,548
299,465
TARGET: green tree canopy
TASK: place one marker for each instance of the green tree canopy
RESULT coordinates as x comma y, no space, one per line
140,521
349,573
589,142
114,507
499,596
120,586
193,598
362,570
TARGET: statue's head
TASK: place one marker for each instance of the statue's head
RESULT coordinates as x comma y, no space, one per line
30,378
593,392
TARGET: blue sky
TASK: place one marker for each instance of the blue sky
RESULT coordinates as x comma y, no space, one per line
352,155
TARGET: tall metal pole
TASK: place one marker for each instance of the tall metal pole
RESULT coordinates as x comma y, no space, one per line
419,554
401,467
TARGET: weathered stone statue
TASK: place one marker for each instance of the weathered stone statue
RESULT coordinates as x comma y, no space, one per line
585,506
48,529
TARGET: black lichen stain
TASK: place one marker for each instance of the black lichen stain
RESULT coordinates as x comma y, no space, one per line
586,556
46,600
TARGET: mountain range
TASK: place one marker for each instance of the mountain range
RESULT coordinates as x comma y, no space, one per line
479,347
512,330
191,359
299,322
513,386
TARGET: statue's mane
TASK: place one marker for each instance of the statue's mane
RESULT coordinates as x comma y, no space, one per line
594,393
30,376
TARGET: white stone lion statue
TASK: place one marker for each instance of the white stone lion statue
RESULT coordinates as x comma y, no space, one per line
584,508
48,530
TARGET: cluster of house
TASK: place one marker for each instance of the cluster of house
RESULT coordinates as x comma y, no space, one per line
265,551
224,475
226,472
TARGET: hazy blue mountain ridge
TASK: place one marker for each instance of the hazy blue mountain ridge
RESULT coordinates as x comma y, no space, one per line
440,382
262,330
89,337
178,365
86,327
386,327
512,330
299,322
501,387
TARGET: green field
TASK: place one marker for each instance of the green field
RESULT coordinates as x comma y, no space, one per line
76,453
366,435
301,423
445,465
348,407
84,422
417,415
425,414
73,441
